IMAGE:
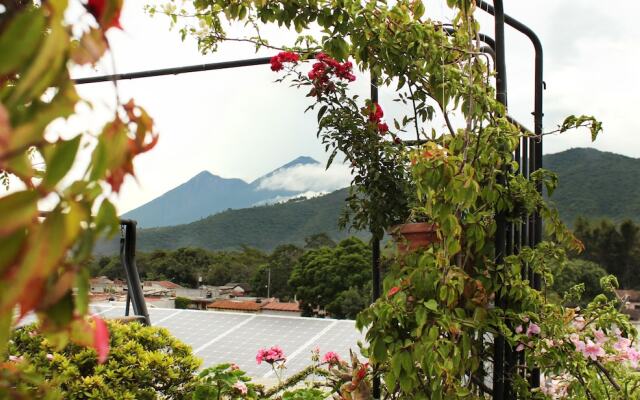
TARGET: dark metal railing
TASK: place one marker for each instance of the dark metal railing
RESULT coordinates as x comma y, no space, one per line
135,295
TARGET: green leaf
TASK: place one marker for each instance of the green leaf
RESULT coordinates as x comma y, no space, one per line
17,210
20,39
59,158
10,248
431,305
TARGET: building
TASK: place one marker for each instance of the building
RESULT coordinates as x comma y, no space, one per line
631,301
276,308
236,306
101,284
257,306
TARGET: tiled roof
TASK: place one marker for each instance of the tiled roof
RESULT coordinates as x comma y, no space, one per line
633,295
164,284
235,305
293,307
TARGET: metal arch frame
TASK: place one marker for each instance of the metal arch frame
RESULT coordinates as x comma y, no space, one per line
531,153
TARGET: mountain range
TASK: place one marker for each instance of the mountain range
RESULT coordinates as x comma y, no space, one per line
592,183
207,194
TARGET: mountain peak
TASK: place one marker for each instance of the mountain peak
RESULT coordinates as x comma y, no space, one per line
302,160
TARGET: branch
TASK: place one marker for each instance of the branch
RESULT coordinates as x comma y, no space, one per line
481,385
608,375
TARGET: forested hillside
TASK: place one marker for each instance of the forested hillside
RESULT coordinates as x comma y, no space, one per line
596,184
263,227
592,183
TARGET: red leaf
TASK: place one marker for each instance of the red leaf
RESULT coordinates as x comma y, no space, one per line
106,12
100,339
393,291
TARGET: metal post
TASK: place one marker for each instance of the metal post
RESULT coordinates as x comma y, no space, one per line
534,227
375,262
499,384
128,257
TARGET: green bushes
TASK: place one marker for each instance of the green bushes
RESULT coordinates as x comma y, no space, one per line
144,363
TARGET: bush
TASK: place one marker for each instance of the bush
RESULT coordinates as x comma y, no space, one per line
144,363
182,303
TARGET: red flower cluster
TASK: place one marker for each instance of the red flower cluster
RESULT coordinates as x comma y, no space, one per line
322,70
278,60
375,117
272,355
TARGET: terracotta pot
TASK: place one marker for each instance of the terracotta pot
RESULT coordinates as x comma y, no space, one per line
413,236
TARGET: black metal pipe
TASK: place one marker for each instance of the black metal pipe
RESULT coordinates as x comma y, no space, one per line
375,263
175,70
131,270
499,384
535,147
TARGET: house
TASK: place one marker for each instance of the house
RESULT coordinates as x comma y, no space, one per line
235,306
631,301
166,288
101,284
291,309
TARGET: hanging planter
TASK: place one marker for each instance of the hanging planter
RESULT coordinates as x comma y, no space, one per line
414,236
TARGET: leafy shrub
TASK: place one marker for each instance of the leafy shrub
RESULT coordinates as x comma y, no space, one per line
144,363
224,381
182,303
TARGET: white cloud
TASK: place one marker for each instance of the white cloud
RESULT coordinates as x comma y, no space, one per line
308,178
283,199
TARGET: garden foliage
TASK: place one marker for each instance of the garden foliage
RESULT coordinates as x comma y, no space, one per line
144,363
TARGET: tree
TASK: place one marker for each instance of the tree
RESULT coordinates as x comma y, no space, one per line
616,248
318,240
576,272
279,264
322,275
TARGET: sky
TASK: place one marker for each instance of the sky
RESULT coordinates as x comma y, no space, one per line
242,124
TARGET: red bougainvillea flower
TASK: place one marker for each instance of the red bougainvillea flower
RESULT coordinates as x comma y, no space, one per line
100,339
376,113
277,61
106,12
272,355
383,128
325,69
393,291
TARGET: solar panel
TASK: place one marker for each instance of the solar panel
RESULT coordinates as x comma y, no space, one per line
219,337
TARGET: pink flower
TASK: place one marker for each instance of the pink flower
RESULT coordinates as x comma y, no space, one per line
600,336
578,323
519,329
16,358
234,367
622,344
50,357
100,339
533,329
241,387
575,339
271,356
592,350
331,358
520,347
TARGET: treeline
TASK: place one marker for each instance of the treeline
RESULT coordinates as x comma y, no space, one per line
322,274
610,249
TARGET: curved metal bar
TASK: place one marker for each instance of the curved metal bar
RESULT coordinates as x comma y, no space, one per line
128,256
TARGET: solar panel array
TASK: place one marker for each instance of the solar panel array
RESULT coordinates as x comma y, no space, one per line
219,337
